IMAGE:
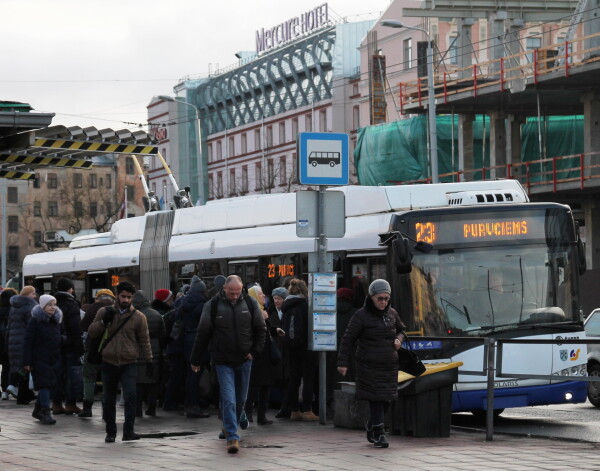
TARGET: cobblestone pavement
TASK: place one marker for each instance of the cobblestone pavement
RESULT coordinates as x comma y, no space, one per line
170,441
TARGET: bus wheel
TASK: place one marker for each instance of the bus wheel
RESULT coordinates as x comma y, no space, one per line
480,414
593,392
332,164
314,164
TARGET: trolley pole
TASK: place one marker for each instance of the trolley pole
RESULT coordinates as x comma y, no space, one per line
322,267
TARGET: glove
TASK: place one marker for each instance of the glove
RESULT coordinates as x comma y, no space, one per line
149,370
108,316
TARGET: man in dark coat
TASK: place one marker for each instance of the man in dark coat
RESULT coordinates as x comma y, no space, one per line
104,297
148,381
5,296
376,333
235,333
70,385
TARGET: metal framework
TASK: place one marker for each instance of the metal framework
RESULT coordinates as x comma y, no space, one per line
291,77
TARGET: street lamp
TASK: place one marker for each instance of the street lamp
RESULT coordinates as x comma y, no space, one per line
432,142
202,170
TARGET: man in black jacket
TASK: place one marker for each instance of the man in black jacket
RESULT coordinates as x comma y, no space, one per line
70,384
232,325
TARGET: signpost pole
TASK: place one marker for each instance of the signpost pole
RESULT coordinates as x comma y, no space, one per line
322,267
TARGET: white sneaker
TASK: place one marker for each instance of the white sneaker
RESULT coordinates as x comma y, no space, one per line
13,391
4,396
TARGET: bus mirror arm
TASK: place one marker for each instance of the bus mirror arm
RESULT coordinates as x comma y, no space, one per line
388,237
401,253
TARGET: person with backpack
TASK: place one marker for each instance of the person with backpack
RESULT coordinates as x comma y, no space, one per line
232,326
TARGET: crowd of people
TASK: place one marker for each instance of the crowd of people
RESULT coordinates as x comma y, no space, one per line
231,346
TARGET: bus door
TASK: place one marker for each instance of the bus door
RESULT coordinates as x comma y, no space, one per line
97,280
42,284
247,270
360,269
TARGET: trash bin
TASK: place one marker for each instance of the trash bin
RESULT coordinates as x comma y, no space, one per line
424,404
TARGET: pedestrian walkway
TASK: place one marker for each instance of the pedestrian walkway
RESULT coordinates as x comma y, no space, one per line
78,444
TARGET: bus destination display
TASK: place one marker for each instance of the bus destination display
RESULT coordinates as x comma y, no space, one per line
454,231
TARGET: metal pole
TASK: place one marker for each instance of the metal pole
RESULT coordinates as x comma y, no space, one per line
322,267
202,170
3,196
433,158
491,360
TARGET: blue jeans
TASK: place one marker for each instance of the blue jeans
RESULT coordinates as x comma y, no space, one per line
111,375
43,398
233,384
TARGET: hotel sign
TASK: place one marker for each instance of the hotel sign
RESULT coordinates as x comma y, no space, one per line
292,28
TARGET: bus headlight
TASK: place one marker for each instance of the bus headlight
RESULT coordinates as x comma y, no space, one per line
578,370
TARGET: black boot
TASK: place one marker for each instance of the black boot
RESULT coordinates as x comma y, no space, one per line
47,418
369,429
37,411
261,418
379,440
87,409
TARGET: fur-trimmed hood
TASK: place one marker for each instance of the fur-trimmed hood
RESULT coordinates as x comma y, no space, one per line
38,314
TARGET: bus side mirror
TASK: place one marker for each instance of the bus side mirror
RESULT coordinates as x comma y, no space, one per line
402,255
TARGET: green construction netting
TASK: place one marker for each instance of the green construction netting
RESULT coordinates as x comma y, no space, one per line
397,152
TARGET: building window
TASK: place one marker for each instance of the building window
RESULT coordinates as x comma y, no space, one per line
356,117
452,50
108,208
244,179
308,123
93,209
210,153
77,180
220,185
37,238
294,128
231,148
108,180
53,208
129,166
37,208
232,182
244,143
93,180
13,223
269,142
355,89
52,180
36,181
257,143
282,133
219,150
323,120
282,171
270,174
12,195
130,193
258,175
78,209
211,190
407,53
13,253
531,44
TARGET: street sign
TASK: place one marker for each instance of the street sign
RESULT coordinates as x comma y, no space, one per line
323,158
307,214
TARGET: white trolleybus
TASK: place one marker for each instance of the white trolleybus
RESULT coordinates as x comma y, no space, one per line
499,266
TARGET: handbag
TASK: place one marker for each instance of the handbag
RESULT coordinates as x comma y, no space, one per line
408,361
97,344
274,351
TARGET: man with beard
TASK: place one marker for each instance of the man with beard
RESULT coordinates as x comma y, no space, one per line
126,338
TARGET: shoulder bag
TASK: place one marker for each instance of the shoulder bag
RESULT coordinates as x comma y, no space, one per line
408,361
97,344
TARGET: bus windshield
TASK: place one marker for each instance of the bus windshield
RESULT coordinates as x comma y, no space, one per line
476,291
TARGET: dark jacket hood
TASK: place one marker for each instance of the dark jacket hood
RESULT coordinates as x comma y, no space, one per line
19,301
140,300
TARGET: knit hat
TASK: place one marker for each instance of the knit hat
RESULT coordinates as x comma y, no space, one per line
219,281
345,293
281,292
27,290
379,286
64,284
163,295
104,292
45,299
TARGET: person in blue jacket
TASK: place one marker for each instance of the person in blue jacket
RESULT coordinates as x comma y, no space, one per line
41,355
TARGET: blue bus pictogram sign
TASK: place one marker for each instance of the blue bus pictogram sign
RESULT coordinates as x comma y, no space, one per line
323,158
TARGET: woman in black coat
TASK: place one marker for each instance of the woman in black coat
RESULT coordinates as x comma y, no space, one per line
18,317
378,332
41,355
5,296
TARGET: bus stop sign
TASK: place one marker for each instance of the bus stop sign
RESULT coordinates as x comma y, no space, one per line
323,158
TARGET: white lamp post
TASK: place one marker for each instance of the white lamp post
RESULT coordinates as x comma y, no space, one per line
202,170
432,142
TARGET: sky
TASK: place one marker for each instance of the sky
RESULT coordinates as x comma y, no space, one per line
100,62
